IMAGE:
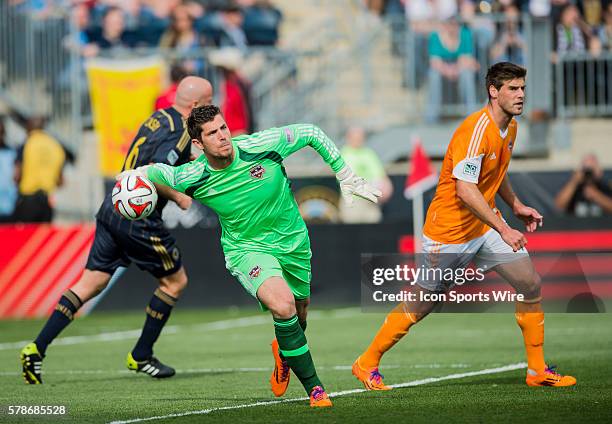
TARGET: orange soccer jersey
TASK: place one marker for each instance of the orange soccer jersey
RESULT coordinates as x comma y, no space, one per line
478,153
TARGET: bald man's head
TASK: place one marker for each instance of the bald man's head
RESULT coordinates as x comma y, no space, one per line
192,91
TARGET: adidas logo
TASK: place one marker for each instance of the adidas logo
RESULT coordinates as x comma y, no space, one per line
493,156
150,369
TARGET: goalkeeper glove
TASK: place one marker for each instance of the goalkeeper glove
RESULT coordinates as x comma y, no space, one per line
351,184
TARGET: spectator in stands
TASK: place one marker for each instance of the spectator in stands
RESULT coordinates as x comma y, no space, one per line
261,22
587,193
422,16
83,42
510,44
481,26
366,163
232,34
592,12
141,23
166,99
605,31
113,35
8,191
184,39
451,59
234,92
38,172
570,37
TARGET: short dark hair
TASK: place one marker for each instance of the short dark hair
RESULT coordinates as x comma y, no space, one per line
199,116
177,73
502,72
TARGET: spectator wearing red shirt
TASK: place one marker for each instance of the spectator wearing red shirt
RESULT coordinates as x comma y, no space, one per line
234,92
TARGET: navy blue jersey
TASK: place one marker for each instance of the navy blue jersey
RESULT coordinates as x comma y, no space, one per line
163,138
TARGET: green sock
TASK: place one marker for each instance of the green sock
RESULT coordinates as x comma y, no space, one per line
294,348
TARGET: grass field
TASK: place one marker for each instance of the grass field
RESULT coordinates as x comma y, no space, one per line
223,364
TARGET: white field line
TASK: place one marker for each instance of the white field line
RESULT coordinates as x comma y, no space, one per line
249,321
230,370
505,368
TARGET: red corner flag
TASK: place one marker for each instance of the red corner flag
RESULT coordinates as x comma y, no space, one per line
422,174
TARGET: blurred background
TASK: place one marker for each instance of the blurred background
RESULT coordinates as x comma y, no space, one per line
388,80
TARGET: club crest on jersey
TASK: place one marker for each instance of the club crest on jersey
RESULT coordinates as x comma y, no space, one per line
510,145
257,171
289,135
254,273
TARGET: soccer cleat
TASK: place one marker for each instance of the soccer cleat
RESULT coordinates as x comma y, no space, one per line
279,380
318,398
31,364
371,378
150,366
549,377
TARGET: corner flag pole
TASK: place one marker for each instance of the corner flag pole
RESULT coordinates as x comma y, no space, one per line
417,221
421,177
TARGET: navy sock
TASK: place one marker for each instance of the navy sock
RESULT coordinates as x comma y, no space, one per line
158,312
63,315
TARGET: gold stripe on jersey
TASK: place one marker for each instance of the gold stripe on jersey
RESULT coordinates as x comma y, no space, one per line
182,143
170,120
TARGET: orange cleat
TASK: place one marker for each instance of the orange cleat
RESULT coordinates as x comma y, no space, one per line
371,378
549,378
318,398
279,380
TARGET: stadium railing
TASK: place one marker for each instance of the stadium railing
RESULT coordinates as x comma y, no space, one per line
486,30
38,75
583,84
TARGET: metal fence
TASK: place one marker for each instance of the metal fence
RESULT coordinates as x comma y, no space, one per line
37,72
583,85
486,34
40,74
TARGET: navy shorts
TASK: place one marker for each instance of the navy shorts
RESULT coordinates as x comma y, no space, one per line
146,243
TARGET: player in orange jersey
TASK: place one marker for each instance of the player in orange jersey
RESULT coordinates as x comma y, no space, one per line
463,221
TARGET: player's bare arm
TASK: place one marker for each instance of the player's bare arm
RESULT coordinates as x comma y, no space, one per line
531,217
476,203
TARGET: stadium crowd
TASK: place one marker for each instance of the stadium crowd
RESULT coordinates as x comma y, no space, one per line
182,24
453,40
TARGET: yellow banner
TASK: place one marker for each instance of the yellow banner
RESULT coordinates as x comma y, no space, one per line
123,94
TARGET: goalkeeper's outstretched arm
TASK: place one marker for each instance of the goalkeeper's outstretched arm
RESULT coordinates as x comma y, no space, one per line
295,137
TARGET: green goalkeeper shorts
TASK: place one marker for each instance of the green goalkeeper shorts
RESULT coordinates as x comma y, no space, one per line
253,268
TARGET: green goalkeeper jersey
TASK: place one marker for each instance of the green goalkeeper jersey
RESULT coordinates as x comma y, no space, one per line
252,196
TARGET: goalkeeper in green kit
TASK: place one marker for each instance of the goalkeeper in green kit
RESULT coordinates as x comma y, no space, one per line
264,238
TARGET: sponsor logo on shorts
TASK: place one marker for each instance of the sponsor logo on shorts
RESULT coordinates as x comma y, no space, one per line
470,169
254,273
175,254
257,171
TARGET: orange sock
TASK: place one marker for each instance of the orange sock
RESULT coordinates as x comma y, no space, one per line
532,326
396,325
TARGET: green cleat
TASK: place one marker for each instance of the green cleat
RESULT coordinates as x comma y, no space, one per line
31,364
150,366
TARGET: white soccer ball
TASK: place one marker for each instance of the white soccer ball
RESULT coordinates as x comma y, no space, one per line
134,197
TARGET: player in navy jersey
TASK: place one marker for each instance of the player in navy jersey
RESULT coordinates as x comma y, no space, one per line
162,138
